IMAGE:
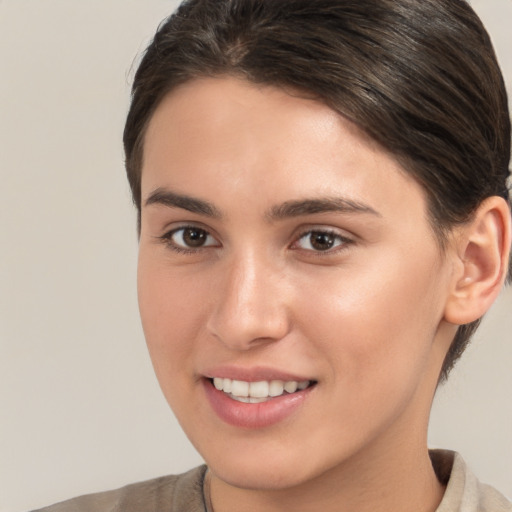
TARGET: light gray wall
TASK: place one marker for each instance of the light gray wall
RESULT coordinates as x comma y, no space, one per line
80,408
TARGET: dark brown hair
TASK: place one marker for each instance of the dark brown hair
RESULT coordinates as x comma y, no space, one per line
420,77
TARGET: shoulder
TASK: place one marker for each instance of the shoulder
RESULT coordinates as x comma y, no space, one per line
491,500
464,493
172,493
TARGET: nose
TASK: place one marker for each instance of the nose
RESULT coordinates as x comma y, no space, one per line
251,307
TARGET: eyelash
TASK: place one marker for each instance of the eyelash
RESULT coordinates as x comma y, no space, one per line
343,241
342,244
166,238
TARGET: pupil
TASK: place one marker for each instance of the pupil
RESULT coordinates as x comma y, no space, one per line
322,241
194,237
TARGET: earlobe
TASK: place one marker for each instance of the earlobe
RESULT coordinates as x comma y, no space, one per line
483,248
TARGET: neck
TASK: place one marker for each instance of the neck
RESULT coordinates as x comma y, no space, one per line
399,483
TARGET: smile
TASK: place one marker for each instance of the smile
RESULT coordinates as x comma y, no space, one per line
258,392
256,403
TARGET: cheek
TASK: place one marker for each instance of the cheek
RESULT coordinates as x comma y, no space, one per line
377,353
376,325
170,310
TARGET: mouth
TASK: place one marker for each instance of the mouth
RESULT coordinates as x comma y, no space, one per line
260,391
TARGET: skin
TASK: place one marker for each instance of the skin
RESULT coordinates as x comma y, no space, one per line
366,319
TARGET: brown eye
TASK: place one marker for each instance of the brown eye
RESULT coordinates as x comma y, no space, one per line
191,238
320,241
194,237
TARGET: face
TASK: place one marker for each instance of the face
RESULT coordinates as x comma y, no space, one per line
290,286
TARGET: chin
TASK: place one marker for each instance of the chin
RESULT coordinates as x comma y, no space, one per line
256,477
267,469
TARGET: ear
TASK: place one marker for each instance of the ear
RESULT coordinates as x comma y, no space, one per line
481,262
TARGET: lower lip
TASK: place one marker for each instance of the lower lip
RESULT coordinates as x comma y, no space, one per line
260,415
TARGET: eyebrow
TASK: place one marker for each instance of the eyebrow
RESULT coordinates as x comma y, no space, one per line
288,209
174,200
321,205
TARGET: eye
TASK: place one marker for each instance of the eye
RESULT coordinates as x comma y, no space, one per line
189,238
321,241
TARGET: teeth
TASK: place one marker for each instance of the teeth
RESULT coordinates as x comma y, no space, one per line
258,389
291,387
226,385
239,388
248,399
256,392
276,388
303,385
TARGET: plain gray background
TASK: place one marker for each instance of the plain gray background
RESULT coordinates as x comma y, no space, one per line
80,408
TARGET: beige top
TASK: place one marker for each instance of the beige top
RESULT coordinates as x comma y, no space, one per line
184,493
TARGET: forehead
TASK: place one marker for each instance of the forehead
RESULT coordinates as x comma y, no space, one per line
196,109
266,144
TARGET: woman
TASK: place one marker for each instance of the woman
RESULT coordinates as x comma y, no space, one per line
324,218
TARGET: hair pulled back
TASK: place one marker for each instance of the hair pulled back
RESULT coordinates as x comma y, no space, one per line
420,77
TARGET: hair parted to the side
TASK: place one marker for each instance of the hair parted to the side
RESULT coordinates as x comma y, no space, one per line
420,77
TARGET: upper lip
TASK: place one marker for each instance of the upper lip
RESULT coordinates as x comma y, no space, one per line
252,374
